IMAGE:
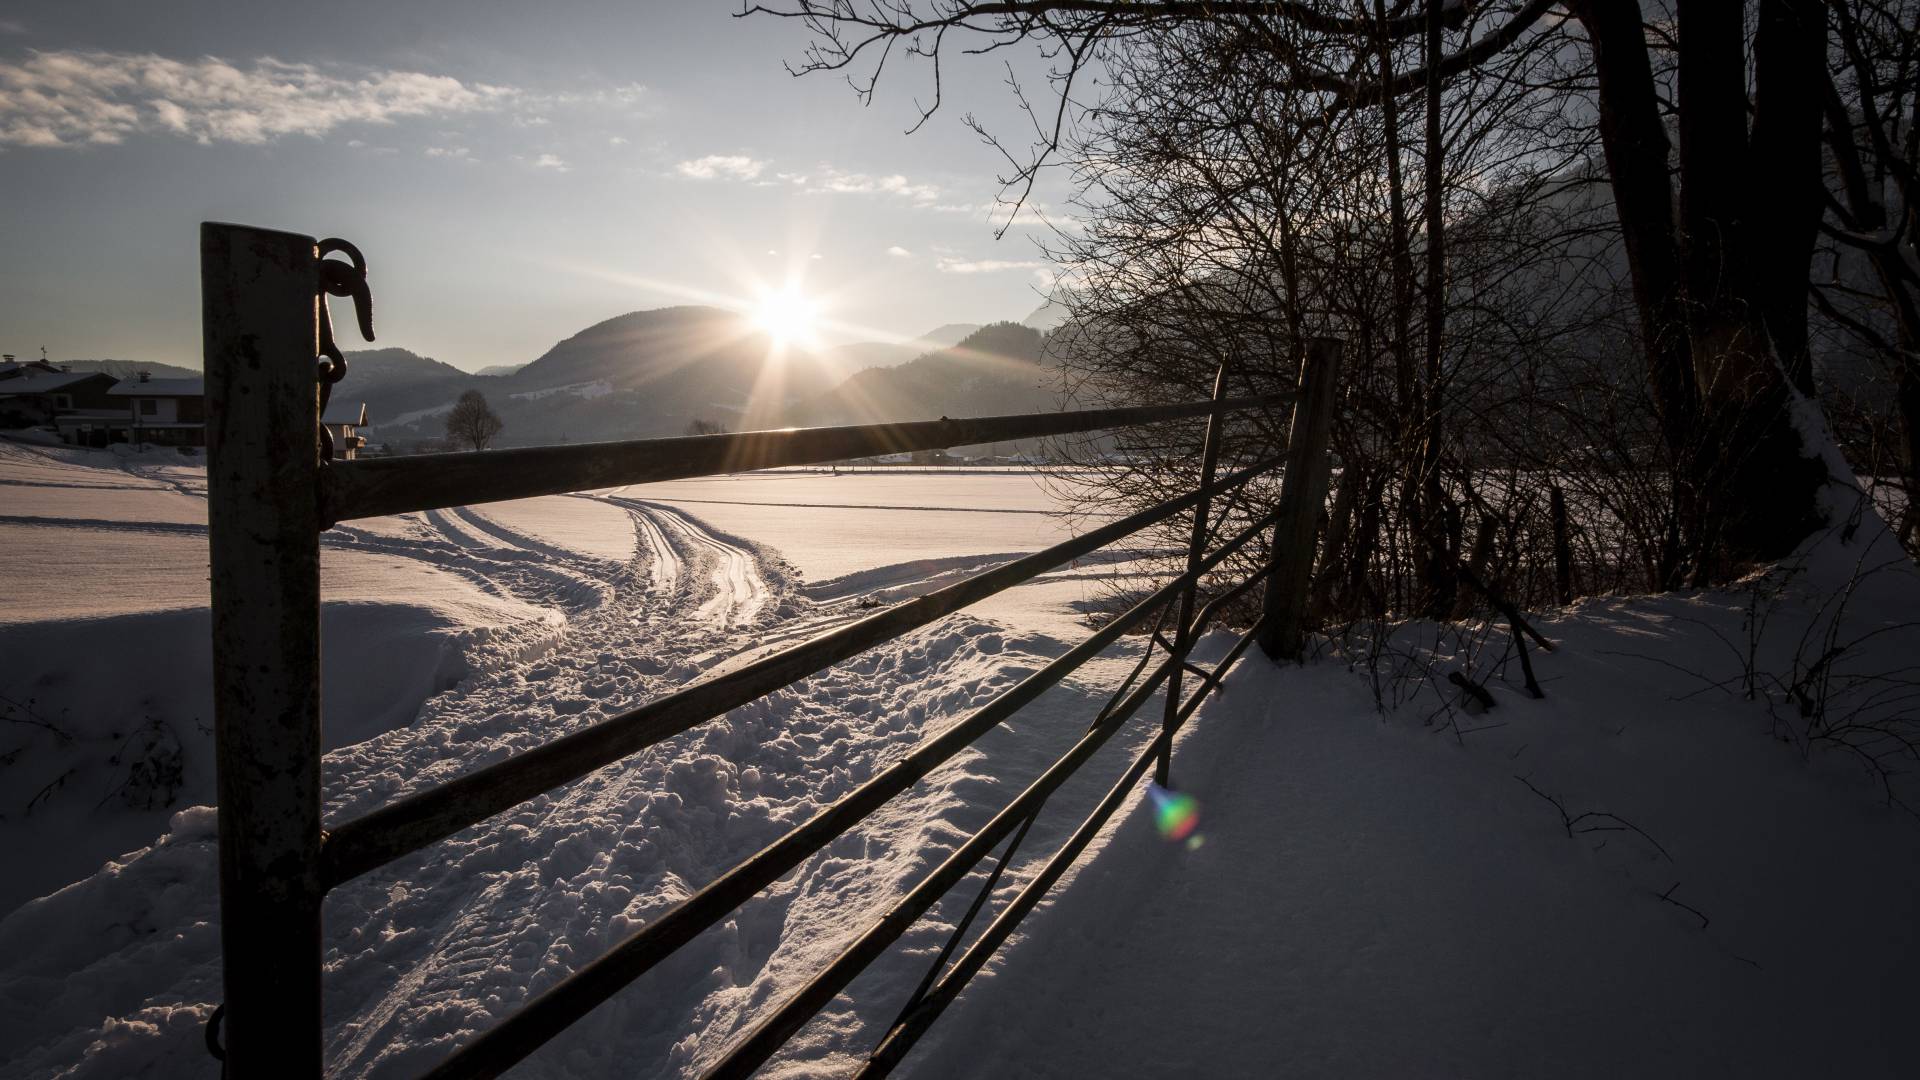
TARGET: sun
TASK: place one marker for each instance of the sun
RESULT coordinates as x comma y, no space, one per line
787,317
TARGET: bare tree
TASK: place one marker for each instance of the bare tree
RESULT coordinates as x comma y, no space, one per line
472,421
1720,288
1868,285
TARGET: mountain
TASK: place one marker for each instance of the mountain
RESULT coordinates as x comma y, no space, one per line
499,369
950,335
652,373
399,385
382,370
994,370
1047,317
860,355
638,375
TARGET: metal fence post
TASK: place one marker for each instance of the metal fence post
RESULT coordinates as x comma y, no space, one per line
260,330
1303,491
1196,553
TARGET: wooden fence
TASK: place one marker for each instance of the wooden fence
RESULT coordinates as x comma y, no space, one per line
272,490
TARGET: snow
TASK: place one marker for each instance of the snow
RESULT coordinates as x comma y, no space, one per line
583,526
595,388
105,631
829,526
1376,892
1735,904
416,414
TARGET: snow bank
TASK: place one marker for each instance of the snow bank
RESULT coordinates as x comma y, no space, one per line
132,693
1644,874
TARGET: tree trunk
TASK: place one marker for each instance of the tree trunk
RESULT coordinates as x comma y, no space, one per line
1784,186
1745,486
1441,545
1636,147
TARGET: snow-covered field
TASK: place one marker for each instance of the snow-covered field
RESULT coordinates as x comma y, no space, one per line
1387,884
453,638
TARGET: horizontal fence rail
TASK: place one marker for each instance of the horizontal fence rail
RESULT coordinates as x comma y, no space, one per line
803,1004
271,492
373,487
357,846
547,1015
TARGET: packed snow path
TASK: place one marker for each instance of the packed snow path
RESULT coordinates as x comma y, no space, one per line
115,974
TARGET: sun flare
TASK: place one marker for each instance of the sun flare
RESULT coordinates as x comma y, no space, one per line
787,317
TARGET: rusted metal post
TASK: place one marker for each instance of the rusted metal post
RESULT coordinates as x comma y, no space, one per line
1196,552
1303,491
260,328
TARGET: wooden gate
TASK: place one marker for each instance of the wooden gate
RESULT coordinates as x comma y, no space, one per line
272,490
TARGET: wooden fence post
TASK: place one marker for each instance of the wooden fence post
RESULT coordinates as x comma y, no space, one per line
1562,548
260,330
1303,492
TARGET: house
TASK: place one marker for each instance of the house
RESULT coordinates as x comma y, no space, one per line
12,369
172,412
343,420
34,396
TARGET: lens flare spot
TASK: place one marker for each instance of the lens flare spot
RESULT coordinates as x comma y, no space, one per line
1176,815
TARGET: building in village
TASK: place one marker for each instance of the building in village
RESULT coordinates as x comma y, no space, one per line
169,412
14,369
33,395
92,409
344,420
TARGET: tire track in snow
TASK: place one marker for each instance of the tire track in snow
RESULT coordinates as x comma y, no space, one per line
573,871
664,564
740,590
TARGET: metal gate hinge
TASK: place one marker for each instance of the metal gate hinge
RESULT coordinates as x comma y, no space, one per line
338,278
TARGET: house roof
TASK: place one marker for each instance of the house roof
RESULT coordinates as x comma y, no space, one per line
159,388
44,383
345,412
10,369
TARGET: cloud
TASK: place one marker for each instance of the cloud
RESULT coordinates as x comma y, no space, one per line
721,167
845,183
950,265
824,180
899,252
624,96
76,98
12,26
616,140
550,161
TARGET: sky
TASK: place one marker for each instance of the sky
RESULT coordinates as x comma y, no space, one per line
513,172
